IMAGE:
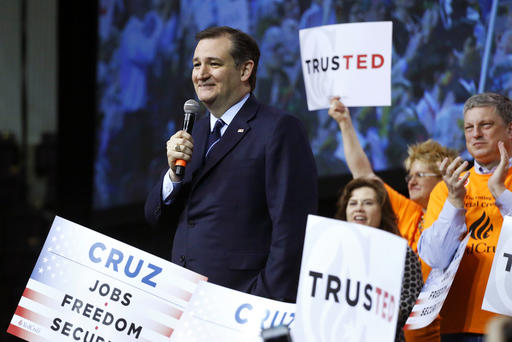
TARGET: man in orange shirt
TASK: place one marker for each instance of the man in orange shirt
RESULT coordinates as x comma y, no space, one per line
423,175
475,201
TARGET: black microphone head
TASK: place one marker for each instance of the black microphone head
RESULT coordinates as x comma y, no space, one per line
191,106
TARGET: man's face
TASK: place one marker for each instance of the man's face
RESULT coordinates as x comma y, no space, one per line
217,80
483,128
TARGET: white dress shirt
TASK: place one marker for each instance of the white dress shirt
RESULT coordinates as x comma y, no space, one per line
438,244
170,188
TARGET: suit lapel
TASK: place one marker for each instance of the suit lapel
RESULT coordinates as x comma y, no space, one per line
233,135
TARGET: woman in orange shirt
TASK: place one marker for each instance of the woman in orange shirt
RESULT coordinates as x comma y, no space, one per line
422,175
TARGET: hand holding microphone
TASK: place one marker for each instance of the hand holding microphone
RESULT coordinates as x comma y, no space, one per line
181,144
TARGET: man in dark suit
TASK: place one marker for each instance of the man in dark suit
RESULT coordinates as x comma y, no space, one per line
239,214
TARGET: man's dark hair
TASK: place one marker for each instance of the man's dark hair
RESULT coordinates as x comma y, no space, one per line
243,46
502,104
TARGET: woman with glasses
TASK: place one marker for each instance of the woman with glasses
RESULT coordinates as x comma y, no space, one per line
422,176
365,201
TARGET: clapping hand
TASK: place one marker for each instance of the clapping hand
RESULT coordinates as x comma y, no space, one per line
454,181
496,182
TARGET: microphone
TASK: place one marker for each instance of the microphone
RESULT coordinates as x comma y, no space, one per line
191,108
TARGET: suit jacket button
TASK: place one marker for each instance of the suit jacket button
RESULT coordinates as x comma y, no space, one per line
191,224
182,259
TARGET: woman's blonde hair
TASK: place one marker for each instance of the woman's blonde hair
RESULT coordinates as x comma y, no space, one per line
429,152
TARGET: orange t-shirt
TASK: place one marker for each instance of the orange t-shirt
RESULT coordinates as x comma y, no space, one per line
410,216
461,312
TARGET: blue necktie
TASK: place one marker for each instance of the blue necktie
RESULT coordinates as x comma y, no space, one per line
214,136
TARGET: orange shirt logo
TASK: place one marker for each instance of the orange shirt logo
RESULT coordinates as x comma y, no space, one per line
481,228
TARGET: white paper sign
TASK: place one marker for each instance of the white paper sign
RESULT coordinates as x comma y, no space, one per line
434,292
498,293
89,287
216,313
352,61
350,283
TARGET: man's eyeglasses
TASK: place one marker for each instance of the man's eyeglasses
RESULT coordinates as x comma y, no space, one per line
421,175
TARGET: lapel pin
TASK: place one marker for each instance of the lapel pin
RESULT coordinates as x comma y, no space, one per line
240,130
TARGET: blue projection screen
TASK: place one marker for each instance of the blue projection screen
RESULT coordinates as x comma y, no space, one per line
443,52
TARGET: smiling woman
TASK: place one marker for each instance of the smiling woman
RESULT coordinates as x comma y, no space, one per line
423,170
363,207
365,201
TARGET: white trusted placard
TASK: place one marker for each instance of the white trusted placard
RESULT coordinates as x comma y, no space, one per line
434,292
216,313
350,283
86,286
352,61
498,293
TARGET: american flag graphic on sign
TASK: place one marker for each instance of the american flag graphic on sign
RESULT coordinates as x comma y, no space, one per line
89,287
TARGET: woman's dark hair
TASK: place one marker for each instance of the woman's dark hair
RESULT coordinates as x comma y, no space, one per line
388,218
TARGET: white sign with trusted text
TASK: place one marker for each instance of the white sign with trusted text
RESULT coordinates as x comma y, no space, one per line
352,61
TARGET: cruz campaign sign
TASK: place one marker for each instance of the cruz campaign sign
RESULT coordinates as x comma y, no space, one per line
498,293
350,282
216,313
89,287
352,61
